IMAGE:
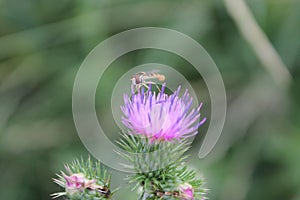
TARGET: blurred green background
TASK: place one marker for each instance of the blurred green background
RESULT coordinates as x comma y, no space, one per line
43,43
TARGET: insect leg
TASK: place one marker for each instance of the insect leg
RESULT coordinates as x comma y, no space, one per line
153,83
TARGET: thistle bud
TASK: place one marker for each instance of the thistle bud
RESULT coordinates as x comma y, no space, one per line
85,180
186,191
76,183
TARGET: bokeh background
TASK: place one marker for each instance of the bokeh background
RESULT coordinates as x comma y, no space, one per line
43,43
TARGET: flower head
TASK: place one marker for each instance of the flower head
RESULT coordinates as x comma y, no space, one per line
161,117
187,191
76,182
85,184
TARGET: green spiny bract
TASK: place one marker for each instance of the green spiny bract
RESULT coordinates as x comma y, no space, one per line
159,168
146,156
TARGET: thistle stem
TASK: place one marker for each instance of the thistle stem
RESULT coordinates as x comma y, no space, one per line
144,196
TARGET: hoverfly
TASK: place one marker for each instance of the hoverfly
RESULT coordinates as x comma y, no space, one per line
143,79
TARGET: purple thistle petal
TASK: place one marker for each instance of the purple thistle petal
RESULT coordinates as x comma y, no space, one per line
161,117
163,88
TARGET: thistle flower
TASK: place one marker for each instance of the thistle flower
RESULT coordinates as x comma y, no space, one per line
186,191
77,183
74,184
161,117
84,181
